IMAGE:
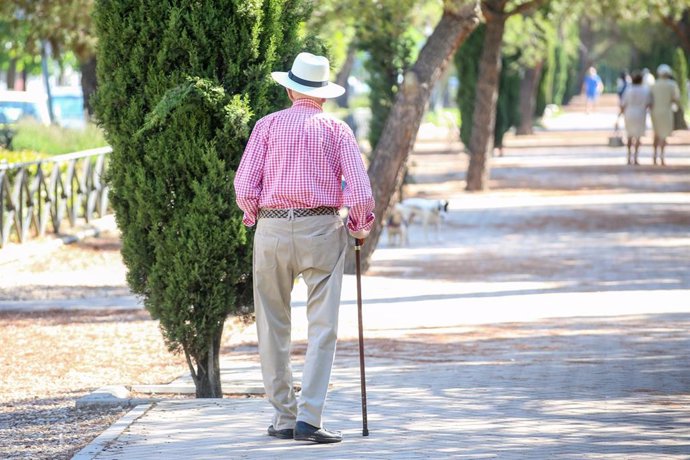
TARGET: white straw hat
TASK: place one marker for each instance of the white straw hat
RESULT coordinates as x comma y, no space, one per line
309,75
664,69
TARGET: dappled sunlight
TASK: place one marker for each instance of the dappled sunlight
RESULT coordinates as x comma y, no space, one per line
572,225
653,242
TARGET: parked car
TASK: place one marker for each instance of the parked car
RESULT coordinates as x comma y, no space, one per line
68,107
18,105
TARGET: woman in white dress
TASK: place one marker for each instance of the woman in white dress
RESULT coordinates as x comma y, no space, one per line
634,103
665,93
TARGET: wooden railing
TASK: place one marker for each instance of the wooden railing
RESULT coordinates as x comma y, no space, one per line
50,191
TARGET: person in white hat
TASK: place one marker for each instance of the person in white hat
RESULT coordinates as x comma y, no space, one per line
289,183
665,95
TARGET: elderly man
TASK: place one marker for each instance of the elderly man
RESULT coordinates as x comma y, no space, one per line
289,183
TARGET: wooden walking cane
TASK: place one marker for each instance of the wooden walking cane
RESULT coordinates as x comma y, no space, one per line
358,246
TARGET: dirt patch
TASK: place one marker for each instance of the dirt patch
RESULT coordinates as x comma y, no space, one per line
89,268
477,266
592,220
52,358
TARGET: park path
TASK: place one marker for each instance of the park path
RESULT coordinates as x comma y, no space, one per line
549,320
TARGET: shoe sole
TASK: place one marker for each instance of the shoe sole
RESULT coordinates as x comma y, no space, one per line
276,434
316,440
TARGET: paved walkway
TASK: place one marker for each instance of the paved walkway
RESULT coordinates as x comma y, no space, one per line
452,375
543,324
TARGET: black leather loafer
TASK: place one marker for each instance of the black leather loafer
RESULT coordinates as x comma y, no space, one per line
307,432
287,433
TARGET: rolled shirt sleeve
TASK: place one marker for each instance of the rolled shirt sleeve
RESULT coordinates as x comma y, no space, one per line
249,176
357,195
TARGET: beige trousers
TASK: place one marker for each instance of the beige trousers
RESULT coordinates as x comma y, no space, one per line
284,248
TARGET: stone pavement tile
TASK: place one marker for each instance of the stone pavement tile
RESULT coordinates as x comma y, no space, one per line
557,388
89,303
576,348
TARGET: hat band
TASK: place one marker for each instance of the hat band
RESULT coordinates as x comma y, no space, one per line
301,81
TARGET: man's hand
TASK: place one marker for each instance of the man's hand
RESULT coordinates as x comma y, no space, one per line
359,234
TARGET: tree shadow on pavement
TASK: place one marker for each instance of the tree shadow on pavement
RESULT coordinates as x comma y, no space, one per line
581,387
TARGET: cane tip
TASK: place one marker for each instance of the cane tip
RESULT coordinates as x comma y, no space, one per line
365,432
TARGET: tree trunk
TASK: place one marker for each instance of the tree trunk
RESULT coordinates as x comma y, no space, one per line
25,80
400,131
681,28
484,116
88,82
344,74
206,375
11,73
528,97
46,79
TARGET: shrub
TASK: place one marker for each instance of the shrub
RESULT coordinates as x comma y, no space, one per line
19,156
180,88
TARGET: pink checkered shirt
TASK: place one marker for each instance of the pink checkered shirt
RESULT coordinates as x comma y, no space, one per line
297,158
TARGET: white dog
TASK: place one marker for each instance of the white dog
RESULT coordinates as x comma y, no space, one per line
429,212
396,226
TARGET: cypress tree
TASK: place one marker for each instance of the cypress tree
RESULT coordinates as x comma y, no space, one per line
508,103
545,92
181,84
680,73
560,79
467,64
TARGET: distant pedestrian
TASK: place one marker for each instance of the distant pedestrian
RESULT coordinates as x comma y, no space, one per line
290,184
647,78
593,87
622,83
634,104
665,96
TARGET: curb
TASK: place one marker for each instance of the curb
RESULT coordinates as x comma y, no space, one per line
110,396
96,446
86,303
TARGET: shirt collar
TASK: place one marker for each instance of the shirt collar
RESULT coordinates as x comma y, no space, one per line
307,103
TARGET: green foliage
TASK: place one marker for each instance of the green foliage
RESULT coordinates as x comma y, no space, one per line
66,25
508,103
334,23
385,33
54,140
680,73
192,140
560,78
19,156
467,63
181,86
546,83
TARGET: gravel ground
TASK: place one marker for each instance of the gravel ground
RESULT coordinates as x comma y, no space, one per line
52,358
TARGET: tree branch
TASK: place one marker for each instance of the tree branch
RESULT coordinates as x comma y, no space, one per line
192,369
525,7
673,25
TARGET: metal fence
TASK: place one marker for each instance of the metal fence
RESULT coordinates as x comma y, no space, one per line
51,191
